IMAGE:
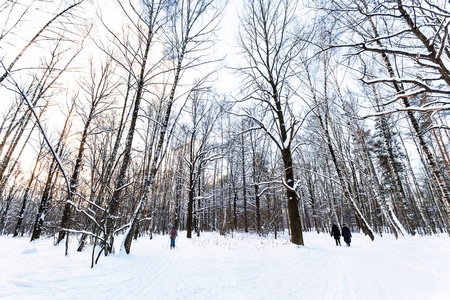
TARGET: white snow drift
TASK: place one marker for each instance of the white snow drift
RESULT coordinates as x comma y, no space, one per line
242,266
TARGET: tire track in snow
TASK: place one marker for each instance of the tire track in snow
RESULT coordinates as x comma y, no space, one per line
185,264
349,282
169,278
352,271
176,264
149,269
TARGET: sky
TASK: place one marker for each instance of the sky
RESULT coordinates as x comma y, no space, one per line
110,13
227,82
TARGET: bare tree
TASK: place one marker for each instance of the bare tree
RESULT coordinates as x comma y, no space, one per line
259,147
193,27
98,89
269,48
202,113
401,33
52,174
145,22
322,108
27,192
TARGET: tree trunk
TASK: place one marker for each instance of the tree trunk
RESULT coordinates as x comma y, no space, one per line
292,199
244,188
189,220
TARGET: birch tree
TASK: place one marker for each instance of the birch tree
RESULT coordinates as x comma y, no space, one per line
52,174
415,55
97,88
320,92
193,25
145,22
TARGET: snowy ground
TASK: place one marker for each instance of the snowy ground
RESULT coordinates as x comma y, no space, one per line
239,267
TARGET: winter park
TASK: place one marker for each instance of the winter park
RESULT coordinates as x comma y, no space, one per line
225,149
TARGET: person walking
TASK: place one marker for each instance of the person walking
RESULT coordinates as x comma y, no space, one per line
347,235
336,233
173,235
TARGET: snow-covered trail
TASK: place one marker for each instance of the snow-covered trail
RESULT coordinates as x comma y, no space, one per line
239,267
397,270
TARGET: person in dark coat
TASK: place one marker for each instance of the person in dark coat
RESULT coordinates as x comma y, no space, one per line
173,235
347,235
336,233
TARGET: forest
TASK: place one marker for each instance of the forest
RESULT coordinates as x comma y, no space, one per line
128,117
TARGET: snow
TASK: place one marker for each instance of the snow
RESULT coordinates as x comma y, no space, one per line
242,266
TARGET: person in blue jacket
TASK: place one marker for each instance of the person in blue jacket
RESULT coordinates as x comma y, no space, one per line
347,235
